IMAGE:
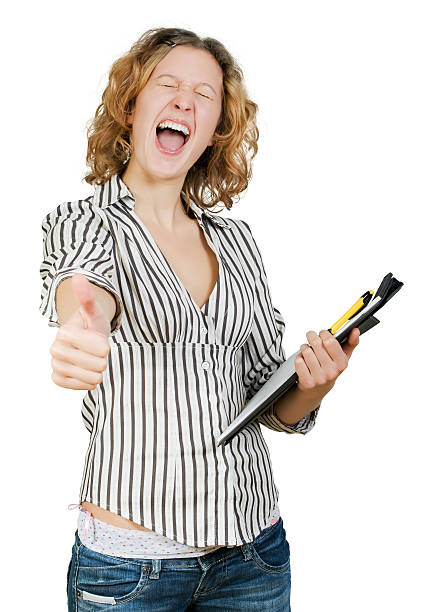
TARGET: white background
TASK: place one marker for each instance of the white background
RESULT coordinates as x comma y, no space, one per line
337,200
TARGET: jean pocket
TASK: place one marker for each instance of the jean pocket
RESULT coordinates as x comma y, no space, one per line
271,550
107,579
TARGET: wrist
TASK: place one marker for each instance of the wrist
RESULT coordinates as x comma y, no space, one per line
315,394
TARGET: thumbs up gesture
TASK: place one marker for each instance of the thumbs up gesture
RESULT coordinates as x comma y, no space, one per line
79,352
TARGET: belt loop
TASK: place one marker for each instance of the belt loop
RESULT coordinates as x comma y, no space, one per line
156,568
247,551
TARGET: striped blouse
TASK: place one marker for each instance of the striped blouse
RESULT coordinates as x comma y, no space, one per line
177,374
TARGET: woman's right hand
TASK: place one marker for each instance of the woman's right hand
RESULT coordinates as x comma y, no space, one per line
80,349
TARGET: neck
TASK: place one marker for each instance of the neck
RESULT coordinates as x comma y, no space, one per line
158,202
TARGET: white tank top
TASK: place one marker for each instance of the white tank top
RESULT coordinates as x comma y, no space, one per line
135,543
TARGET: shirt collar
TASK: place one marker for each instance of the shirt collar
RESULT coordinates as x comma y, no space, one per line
115,189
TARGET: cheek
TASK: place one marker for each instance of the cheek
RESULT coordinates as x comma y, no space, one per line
140,130
208,120
148,109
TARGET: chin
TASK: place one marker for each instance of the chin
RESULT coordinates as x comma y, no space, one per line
158,172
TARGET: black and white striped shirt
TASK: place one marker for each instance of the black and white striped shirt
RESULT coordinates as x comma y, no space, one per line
177,374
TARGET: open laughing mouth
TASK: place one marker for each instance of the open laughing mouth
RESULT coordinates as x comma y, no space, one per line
170,141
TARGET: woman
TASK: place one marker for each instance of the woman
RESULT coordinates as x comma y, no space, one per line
166,320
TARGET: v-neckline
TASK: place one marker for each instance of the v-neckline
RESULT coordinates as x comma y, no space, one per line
201,309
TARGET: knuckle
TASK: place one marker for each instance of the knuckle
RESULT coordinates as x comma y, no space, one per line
57,366
62,334
56,379
54,350
96,379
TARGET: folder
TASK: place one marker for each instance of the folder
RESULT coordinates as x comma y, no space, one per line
285,377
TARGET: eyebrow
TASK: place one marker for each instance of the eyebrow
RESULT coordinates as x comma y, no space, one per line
174,77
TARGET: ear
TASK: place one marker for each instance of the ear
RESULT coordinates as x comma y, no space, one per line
130,118
211,141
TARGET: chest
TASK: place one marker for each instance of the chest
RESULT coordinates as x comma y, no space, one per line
190,257
173,287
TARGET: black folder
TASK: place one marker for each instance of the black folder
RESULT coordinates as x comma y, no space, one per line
285,377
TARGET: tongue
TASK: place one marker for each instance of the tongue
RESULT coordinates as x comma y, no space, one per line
171,139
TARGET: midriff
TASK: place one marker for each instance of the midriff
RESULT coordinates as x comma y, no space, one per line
111,517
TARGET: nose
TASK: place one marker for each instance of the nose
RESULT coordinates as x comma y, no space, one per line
182,104
183,99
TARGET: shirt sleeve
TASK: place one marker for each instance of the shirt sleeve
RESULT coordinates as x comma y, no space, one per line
263,352
75,240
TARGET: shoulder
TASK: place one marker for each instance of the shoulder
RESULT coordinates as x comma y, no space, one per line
240,239
241,233
72,210
238,226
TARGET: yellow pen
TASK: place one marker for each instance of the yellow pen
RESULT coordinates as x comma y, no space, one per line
359,304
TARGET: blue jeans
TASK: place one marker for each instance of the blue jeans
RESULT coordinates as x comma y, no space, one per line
253,576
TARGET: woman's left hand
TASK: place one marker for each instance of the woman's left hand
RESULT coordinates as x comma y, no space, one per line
319,365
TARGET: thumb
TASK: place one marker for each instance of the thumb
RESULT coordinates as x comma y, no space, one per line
352,342
86,298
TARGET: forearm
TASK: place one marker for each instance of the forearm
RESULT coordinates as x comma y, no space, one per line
67,304
291,407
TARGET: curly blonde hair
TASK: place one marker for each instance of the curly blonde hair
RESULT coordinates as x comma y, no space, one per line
224,169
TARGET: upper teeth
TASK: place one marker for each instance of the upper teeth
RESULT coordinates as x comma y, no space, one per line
174,126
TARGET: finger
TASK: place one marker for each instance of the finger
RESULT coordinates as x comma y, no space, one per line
68,370
322,360
352,341
71,383
334,349
69,354
89,341
311,362
302,371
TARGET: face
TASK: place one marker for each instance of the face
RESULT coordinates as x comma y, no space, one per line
191,92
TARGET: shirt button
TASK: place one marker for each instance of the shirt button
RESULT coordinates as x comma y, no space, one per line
205,365
203,330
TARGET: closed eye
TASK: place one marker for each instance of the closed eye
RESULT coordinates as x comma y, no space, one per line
208,97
